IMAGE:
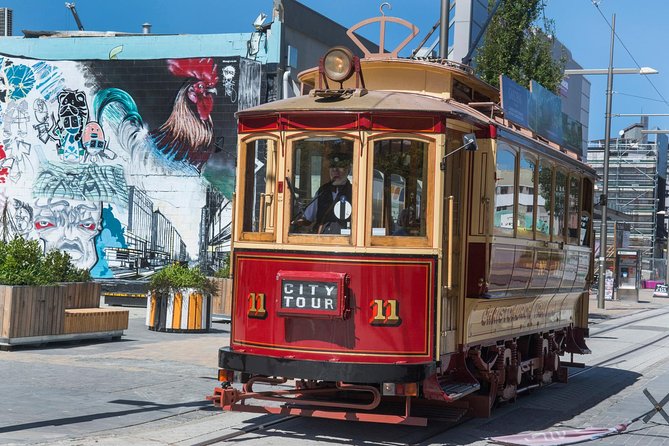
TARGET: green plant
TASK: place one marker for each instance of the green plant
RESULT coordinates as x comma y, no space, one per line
23,262
224,273
178,276
518,43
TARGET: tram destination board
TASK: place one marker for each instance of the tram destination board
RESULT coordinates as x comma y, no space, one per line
311,294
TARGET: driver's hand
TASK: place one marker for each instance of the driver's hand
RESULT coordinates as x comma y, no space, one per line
301,222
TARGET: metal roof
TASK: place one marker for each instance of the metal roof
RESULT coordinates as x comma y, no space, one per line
370,101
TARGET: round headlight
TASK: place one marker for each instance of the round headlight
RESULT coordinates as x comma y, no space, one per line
338,64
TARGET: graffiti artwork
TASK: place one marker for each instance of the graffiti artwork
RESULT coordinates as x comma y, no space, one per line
105,160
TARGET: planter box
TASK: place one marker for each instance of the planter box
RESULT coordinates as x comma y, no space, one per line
37,314
221,303
185,310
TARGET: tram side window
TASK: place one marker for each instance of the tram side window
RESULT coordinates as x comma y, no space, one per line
586,208
320,186
544,200
559,210
258,187
399,188
505,187
527,173
573,223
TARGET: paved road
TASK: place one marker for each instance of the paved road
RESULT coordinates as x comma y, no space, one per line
149,389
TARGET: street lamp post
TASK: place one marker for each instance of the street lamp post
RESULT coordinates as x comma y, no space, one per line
603,200
607,141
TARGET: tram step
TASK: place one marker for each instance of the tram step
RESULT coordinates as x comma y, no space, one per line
456,391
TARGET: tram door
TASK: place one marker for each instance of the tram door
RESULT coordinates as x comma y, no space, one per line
453,208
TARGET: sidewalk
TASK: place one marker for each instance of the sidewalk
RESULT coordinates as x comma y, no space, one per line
619,308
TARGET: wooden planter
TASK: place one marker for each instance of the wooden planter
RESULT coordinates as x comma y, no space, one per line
37,314
222,299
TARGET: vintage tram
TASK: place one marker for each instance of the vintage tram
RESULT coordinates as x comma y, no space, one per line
401,250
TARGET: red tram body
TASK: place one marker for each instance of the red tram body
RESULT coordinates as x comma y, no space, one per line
453,278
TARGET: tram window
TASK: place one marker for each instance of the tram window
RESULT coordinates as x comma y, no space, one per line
399,188
544,200
505,186
320,186
559,211
573,223
586,207
258,187
525,225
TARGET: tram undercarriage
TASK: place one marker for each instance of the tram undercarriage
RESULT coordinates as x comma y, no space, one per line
472,383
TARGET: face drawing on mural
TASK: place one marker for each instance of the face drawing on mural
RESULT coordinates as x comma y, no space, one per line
70,226
23,217
72,116
229,82
94,141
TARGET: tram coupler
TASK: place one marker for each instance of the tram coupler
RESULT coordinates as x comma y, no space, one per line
224,396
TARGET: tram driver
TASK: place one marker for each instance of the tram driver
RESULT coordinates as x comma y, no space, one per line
330,210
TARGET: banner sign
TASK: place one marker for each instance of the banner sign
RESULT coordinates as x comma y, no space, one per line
539,110
545,113
515,101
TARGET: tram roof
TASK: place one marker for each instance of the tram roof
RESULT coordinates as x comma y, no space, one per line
371,101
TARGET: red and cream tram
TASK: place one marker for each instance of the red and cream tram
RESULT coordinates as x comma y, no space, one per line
399,246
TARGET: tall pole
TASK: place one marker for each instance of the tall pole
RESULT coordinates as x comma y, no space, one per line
605,177
443,29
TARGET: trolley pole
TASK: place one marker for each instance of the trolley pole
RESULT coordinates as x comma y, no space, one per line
443,29
601,292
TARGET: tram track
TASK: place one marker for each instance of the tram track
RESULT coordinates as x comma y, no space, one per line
244,431
658,312
438,430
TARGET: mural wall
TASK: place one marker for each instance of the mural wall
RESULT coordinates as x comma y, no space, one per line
127,165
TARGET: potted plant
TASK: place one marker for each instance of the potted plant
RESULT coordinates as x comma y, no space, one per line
179,299
222,298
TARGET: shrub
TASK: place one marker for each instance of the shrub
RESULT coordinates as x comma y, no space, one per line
224,272
23,262
178,276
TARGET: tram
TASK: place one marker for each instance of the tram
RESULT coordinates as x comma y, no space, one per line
401,251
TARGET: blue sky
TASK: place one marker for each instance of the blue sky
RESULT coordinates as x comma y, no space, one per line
579,25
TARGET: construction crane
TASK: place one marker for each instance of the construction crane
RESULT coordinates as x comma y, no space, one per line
76,16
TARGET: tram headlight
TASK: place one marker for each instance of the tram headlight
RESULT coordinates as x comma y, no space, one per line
338,64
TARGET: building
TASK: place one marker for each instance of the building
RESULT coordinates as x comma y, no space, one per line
467,20
6,24
147,190
636,195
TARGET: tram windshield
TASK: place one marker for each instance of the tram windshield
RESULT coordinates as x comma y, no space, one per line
400,179
321,186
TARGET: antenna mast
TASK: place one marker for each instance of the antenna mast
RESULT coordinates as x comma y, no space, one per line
74,13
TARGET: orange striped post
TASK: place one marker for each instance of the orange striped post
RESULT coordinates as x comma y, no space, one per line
176,312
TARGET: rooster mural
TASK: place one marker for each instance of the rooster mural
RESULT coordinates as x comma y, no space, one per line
186,139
